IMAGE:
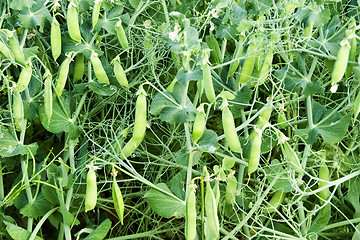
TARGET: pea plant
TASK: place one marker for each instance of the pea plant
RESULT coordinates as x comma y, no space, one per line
168,119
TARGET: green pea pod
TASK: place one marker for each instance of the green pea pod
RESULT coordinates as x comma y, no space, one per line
265,68
118,200
208,84
325,176
55,38
231,136
199,123
231,186
357,106
72,20
62,77
16,49
48,95
255,151
275,201
99,69
340,63
24,77
215,49
18,110
292,157
6,51
211,220
216,191
140,116
249,63
190,215
352,56
91,189
237,54
264,117
281,118
96,12
131,146
121,35
79,67
120,74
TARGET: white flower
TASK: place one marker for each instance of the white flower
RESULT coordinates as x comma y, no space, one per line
212,26
174,34
215,12
334,88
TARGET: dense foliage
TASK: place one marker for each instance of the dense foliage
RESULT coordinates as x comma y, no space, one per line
140,119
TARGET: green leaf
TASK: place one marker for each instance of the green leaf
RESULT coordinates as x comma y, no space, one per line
101,89
322,219
228,163
168,106
275,169
50,194
21,4
184,76
356,235
292,80
227,32
191,37
164,205
69,219
208,141
10,146
31,18
18,233
330,124
59,122
177,184
242,99
37,208
353,196
100,232
237,14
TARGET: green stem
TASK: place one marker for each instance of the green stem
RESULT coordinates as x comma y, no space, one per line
1,185
309,112
340,224
41,222
69,194
166,13
252,211
27,189
202,208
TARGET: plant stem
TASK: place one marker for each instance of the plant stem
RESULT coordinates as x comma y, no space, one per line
41,222
302,218
69,194
27,189
1,184
309,112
